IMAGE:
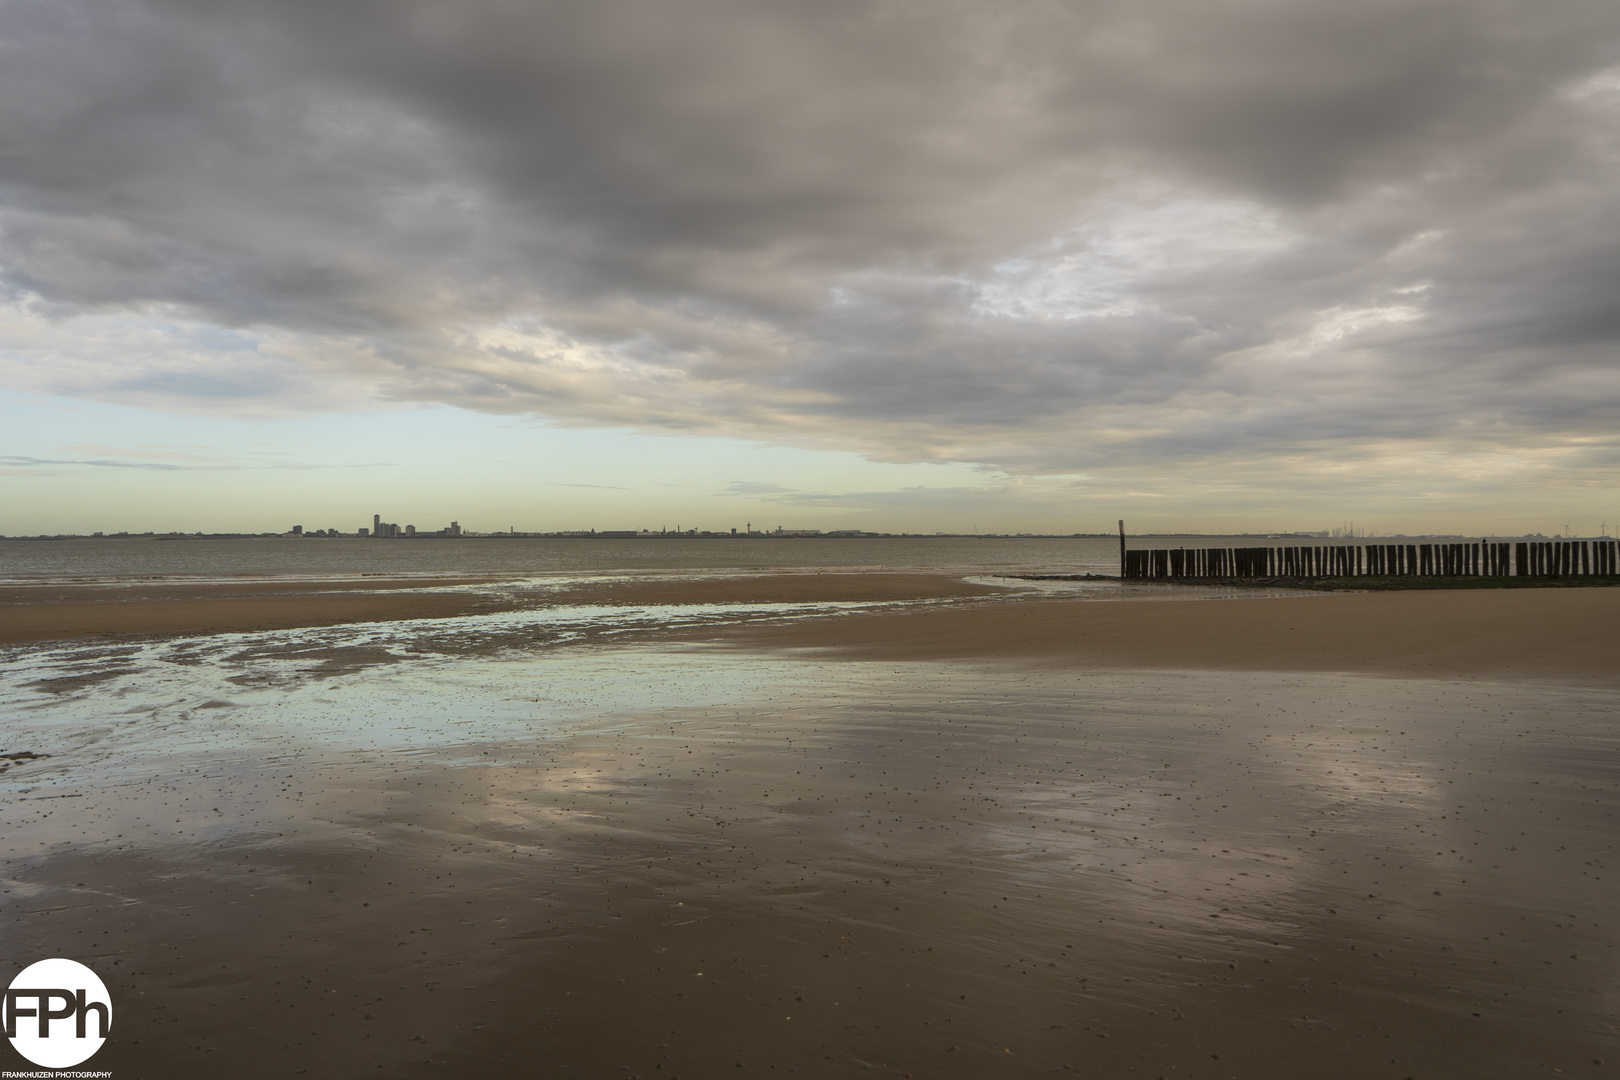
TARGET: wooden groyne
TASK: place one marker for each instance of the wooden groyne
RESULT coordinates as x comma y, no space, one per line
1542,558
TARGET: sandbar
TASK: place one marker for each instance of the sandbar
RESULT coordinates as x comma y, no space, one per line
57,612
1554,633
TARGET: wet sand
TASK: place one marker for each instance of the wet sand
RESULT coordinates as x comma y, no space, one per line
961,857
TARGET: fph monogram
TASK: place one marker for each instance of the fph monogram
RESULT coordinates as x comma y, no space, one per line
74,1007
57,1013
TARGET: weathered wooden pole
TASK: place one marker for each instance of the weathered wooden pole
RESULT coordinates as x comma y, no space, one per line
1121,547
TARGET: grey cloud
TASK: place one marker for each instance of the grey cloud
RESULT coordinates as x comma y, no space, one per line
24,462
158,466
756,489
1039,237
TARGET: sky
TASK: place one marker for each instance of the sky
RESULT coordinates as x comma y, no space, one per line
1007,266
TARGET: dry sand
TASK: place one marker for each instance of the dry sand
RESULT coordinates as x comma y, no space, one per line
1488,633
998,847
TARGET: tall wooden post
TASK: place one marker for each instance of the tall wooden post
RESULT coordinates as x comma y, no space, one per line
1122,547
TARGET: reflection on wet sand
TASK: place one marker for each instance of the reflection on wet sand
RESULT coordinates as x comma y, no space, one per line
673,863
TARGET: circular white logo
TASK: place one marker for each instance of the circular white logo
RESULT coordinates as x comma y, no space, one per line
57,1013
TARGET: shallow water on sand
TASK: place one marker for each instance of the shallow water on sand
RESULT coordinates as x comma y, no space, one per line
659,861
387,685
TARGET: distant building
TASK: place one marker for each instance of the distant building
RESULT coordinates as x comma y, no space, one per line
388,530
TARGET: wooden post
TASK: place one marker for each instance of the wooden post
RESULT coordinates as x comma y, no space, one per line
1121,547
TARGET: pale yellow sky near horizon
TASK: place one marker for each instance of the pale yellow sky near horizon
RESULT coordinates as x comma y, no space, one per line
81,467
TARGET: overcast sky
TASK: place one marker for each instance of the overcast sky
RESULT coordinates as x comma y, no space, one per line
1029,265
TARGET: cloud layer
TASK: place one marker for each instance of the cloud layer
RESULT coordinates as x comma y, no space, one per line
1259,243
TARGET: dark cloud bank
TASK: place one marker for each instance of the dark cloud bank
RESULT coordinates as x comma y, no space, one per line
1178,239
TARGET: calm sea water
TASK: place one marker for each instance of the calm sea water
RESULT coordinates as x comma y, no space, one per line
44,560
185,557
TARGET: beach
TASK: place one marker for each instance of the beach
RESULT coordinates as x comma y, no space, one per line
827,824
